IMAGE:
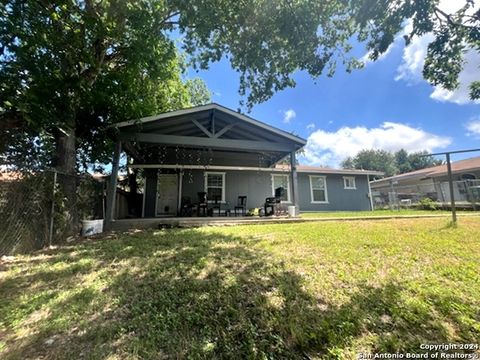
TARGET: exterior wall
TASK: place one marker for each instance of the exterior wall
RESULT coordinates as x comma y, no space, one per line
339,199
257,185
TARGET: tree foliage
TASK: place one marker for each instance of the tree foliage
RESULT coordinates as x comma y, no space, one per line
64,64
69,68
453,34
379,160
391,163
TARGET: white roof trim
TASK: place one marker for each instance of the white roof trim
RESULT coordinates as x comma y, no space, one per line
242,168
212,106
340,172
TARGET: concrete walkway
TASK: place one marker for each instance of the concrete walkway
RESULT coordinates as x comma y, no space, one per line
155,223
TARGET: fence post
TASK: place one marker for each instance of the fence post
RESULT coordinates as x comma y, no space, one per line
450,185
50,234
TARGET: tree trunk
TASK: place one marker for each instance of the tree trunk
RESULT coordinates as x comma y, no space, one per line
65,164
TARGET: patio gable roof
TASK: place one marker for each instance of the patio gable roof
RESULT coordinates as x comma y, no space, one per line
210,131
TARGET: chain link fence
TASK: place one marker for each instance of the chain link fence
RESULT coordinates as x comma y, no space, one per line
432,196
35,213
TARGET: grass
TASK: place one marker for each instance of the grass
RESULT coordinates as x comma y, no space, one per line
320,214
295,291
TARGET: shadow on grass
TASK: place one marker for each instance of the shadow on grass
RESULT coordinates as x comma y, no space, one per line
196,294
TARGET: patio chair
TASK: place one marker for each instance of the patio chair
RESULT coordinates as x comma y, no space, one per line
216,204
202,205
186,207
241,205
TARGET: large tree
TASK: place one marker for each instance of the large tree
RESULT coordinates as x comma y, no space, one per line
379,160
61,60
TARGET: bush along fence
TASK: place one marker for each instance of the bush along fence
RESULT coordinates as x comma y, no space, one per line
428,196
33,210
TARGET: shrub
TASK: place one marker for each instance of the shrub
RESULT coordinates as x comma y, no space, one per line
427,204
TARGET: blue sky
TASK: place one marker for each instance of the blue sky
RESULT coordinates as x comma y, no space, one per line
385,105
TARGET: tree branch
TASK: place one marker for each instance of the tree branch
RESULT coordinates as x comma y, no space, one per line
11,119
439,13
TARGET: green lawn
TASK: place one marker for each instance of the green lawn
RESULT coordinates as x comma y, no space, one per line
319,214
306,290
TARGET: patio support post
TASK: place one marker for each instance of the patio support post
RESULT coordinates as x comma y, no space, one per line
293,167
111,193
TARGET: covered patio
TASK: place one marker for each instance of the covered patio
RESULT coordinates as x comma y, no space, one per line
186,152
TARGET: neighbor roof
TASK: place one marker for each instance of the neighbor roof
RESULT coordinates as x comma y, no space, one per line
460,166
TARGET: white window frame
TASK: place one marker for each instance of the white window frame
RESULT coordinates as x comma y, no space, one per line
312,200
352,180
205,184
288,187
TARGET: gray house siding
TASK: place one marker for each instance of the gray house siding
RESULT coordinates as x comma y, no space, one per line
257,185
339,198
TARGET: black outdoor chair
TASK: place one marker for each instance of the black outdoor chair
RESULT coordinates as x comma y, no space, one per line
202,205
241,205
187,206
217,204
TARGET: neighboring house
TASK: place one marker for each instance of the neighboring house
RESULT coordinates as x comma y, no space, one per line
226,154
433,182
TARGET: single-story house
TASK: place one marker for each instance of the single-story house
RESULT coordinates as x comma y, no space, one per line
432,182
226,154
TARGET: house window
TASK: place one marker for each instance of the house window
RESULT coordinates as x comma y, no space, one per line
349,182
215,185
281,181
318,189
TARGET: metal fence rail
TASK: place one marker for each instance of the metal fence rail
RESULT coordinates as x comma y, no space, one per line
466,194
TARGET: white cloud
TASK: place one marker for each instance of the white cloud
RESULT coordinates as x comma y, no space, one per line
289,115
311,126
414,58
473,127
330,148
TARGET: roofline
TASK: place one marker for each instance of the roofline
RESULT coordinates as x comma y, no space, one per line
250,168
325,170
341,172
213,106
453,172
423,176
399,177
